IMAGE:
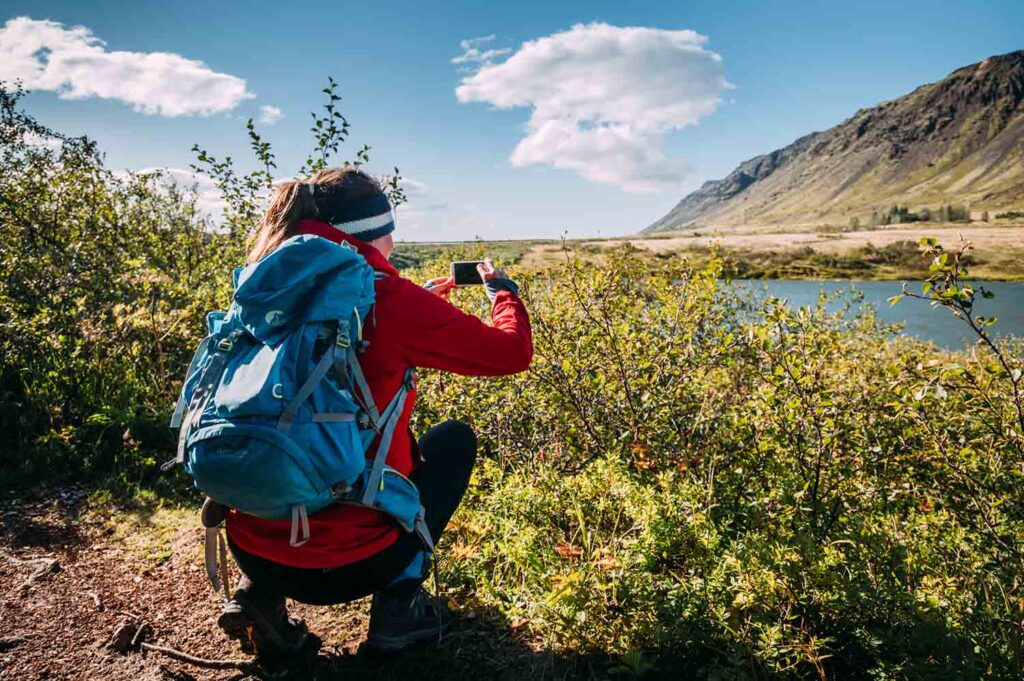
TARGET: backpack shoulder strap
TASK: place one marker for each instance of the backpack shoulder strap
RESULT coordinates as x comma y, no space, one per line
364,388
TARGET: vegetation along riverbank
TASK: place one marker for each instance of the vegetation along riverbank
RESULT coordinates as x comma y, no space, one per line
686,483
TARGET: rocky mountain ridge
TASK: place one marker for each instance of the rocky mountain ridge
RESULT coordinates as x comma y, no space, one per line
960,140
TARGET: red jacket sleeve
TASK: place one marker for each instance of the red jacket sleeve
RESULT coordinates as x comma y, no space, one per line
432,333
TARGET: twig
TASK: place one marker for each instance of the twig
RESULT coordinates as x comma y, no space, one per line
143,631
239,665
14,560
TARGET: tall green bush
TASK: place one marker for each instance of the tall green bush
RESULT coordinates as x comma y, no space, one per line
104,279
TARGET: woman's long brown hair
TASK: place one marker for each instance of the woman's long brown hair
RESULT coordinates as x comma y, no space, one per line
293,202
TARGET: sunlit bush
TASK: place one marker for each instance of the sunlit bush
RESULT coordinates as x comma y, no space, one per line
104,280
751,488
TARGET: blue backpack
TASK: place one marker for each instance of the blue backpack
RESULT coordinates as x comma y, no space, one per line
275,415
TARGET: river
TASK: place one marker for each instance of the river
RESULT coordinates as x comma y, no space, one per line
917,316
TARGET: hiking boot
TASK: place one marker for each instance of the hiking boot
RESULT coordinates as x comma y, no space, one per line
398,621
260,623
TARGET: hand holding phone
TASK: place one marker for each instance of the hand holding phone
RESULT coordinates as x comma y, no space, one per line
475,272
488,271
467,273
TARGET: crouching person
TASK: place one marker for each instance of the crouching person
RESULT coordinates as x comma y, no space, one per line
345,549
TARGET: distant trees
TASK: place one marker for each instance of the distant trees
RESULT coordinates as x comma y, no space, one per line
898,215
953,213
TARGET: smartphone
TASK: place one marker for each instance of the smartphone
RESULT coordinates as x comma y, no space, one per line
464,273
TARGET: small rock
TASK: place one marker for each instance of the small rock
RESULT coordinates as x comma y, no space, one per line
122,638
8,642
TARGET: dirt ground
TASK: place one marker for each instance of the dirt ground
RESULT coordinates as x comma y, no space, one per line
73,571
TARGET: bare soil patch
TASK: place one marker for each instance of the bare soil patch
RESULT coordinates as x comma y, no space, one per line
72,573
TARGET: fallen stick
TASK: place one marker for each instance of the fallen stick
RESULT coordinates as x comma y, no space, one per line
144,630
238,665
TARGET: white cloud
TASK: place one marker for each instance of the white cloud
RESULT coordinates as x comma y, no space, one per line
603,97
473,51
45,55
270,114
209,199
414,189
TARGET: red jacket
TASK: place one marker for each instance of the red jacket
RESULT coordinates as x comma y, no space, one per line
409,326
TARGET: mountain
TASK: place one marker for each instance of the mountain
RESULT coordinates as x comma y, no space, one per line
957,141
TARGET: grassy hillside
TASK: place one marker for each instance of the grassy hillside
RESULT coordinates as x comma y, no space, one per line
958,141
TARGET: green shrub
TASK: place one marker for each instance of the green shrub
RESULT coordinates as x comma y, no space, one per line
104,280
685,477
763,491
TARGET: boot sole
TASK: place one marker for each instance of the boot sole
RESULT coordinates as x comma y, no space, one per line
253,636
240,627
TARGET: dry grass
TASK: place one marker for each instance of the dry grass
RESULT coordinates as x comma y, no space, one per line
999,247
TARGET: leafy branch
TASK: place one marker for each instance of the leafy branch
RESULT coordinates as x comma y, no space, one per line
945,287
330,131
244,194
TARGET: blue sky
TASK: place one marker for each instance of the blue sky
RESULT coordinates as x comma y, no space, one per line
554,161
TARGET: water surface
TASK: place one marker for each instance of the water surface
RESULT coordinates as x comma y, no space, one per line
917,316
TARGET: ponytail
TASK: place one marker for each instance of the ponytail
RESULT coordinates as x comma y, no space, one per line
291,203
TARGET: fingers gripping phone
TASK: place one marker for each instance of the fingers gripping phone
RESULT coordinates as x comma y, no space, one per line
464,273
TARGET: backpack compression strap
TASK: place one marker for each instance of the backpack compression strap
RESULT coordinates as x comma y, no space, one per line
284,423
201,397
179,407
391,417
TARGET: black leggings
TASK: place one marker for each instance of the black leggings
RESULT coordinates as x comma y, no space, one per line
449,452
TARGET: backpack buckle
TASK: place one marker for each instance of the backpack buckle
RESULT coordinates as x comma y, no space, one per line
225,344
342,340
340,491
363,420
